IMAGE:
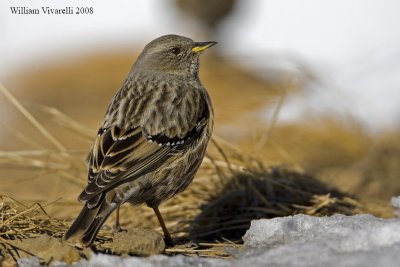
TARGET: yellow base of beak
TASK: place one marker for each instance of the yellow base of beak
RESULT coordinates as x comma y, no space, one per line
201,46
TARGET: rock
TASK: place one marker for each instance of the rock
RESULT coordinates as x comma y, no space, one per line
140,242
48,249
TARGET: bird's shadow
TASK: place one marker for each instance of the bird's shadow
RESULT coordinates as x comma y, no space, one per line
264,194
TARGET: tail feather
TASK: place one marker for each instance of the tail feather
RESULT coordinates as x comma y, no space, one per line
88,223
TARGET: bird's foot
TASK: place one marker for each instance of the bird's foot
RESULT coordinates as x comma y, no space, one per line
169,242
118,228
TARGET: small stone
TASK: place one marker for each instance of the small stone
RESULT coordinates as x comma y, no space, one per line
140,242
47,248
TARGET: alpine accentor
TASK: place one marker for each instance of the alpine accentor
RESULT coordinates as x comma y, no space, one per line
153,137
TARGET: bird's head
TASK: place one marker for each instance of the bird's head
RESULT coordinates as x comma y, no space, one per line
172,54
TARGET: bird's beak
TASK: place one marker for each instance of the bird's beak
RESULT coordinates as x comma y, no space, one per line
201,46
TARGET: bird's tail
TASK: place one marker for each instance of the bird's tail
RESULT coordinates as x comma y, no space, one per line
88,223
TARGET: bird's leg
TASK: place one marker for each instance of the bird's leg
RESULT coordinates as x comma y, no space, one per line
167,236
117,227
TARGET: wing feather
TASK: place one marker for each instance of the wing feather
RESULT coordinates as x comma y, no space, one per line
124,153
126,159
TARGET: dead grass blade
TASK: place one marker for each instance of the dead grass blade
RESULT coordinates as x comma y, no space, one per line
30,118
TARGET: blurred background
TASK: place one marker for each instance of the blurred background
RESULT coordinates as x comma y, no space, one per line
310,84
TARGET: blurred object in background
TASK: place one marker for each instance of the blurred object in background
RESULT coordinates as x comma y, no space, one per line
208,13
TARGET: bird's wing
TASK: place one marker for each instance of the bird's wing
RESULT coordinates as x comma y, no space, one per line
120,155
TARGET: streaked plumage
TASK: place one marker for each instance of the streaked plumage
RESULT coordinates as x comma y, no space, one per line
153,137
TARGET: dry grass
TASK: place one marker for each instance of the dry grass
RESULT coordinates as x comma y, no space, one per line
19,222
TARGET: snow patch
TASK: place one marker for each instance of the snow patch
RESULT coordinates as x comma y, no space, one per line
396,204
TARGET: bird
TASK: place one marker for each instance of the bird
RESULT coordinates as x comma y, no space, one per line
208,13
153,137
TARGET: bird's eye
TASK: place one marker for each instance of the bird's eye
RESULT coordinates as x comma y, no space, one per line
176,50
